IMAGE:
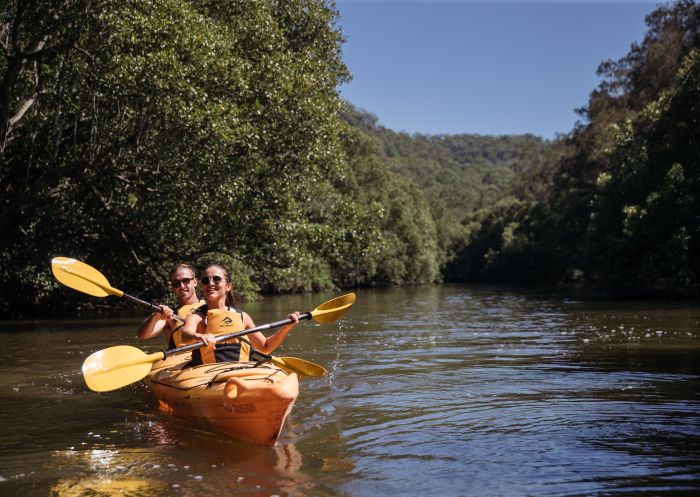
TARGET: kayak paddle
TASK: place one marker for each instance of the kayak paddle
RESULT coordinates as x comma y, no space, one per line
118,366
85,278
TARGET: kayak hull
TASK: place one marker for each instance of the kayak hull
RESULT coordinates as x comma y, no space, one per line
243,400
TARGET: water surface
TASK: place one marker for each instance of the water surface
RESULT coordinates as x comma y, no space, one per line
445,390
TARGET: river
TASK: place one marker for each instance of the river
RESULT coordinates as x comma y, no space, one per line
437,390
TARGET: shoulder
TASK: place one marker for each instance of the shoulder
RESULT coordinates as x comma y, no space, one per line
200,309
247,320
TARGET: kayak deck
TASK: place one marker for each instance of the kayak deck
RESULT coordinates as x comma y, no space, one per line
245,400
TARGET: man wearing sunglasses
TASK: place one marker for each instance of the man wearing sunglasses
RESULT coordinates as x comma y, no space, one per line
184,283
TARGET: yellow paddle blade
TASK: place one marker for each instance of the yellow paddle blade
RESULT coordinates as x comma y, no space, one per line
82,277
300,366
333,309
116,367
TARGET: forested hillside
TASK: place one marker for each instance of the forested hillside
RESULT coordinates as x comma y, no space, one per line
471,171
454,174
617,204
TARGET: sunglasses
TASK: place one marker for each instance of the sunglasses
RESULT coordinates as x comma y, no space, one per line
214,280
183,281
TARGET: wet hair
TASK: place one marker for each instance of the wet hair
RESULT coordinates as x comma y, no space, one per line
230,297
182,266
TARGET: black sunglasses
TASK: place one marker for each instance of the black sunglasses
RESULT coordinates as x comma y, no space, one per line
183,281
214,280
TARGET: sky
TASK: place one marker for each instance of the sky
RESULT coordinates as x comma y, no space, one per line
482,67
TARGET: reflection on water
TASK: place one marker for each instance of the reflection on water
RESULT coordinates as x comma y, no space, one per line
222,469
432,390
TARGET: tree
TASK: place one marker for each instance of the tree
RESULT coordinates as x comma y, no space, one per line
165,131
644,232
614,190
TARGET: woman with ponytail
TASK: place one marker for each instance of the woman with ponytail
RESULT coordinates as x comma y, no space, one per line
219,316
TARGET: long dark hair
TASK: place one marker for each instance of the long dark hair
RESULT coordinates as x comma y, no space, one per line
230,296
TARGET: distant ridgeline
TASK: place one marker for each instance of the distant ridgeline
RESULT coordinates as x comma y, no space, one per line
446,179
140,135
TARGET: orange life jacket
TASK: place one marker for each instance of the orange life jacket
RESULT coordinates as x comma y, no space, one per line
175,338
222,322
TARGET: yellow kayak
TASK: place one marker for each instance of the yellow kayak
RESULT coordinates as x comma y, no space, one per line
244,400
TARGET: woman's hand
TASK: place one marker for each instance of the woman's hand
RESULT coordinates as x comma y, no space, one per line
294,317
208,339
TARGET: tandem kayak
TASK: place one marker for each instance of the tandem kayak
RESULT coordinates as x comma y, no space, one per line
247,401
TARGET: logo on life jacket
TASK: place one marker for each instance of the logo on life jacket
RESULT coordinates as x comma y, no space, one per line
227,321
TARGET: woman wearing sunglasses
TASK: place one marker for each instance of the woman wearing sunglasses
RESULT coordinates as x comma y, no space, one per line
220,317
184,284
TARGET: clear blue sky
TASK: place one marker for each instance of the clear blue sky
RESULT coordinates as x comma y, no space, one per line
491,68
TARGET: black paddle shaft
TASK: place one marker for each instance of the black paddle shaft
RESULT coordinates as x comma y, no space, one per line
218,338
149,305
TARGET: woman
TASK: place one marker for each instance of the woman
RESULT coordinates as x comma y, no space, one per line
220,317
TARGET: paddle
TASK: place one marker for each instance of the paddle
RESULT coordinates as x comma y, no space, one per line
115,367
290,364
85,278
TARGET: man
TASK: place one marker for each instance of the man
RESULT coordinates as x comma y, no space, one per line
184,284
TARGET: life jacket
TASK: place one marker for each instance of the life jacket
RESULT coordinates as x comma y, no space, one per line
175,338
222,322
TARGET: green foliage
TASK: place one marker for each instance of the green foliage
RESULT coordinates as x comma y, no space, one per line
614,202
138,135
644,230
459,172
456,174
169,131
407,251
498,246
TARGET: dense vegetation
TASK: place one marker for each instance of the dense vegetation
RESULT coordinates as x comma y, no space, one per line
134,135
617,202
138,134
453,174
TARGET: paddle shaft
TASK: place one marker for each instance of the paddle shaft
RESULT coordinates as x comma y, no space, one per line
149,305
152,307
218,338
255,353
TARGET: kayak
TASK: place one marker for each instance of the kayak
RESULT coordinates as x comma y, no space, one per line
247,401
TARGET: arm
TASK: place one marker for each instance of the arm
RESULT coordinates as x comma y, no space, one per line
194,329
154,324
267,345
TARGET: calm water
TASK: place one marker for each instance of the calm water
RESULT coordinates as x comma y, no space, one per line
450,391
